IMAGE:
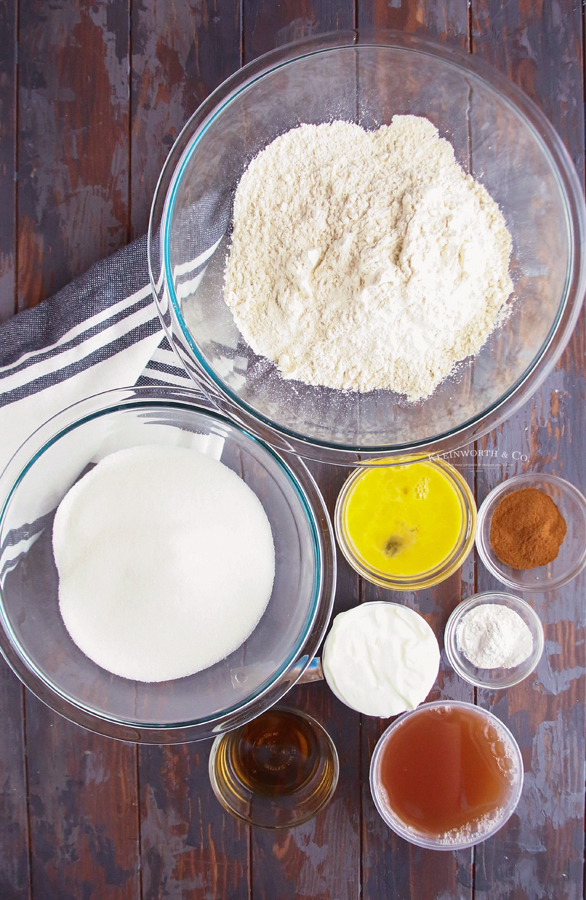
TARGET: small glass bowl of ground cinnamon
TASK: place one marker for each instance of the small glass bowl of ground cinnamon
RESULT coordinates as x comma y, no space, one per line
532,532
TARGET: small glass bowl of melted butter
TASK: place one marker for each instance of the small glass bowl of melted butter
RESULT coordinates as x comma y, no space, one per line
408,525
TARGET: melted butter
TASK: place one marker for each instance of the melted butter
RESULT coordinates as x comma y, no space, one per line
404,520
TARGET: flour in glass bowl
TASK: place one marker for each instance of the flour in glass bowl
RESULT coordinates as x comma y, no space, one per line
364,260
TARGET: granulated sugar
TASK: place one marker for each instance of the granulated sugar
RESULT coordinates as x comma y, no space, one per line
364,260
166,562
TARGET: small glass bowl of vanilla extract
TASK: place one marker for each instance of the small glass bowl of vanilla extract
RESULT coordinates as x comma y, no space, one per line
276,771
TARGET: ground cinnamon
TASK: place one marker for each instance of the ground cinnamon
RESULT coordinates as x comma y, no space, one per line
527,529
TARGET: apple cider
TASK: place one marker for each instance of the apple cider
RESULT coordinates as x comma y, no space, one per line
447,773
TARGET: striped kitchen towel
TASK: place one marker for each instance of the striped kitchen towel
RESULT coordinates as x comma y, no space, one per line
100,332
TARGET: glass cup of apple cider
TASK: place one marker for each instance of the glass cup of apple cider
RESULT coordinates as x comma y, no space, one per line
447,775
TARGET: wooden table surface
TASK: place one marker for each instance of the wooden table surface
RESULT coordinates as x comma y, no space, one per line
92,96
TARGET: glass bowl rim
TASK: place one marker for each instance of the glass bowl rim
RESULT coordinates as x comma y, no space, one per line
552,148
363,606
430,577
429,843
325,799
483,531
510,601
319,615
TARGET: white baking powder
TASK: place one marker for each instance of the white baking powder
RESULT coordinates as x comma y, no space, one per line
364,260
492,636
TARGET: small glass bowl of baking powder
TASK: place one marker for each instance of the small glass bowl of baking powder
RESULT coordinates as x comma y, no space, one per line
571,558
494,640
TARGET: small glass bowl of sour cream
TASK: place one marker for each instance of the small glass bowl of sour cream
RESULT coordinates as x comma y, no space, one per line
489,630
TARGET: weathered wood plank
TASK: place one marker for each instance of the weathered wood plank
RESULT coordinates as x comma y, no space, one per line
14,836
83,811
180,817
180,54
435,19
73,140
7,159
191,848
73,209
391,867
540,852
320,859
539,47
268,25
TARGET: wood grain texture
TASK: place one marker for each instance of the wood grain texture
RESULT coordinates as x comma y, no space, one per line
540,852
73,140
391,867
268,24
180,53
14,836
445,20
7,159
82,185
538,45
83,811
320,859
191,848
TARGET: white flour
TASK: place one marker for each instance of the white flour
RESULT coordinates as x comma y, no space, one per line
493,637
365,260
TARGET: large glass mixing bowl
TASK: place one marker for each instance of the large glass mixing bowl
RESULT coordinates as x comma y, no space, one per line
33,637
499,136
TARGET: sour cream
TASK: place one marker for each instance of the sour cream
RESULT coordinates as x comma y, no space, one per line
381,658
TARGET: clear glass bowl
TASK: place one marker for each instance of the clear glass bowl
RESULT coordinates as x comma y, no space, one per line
571,558
407,666
438,573
499,136
33,637
499,677
487,828
271,776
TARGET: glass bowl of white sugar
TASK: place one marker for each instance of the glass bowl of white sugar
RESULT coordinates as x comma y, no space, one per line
494,640
151,641
283,370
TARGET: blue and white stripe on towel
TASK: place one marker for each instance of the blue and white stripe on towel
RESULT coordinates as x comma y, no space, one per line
96,334
93,319
164,368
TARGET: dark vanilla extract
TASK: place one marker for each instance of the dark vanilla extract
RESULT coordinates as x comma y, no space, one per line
275,754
